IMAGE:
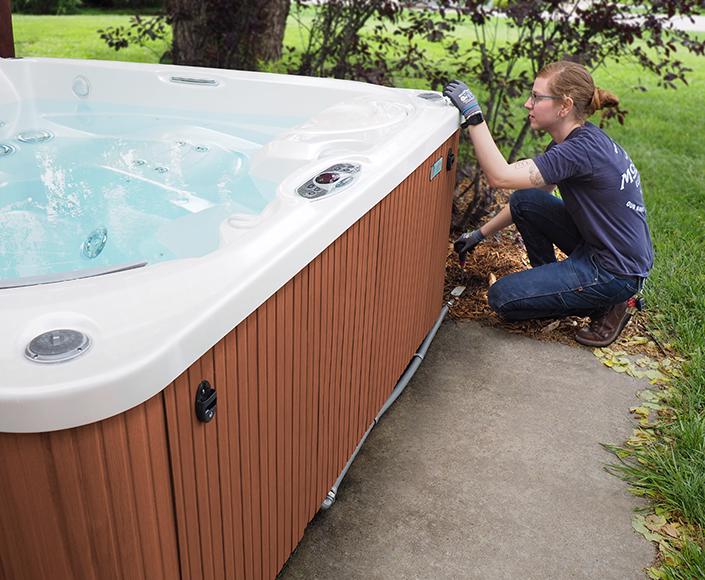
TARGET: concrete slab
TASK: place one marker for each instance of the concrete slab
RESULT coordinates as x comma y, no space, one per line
488,466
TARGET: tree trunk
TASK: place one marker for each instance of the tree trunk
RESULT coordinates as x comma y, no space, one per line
7,43
274,15
227,34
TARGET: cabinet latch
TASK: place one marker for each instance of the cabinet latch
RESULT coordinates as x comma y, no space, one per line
206,400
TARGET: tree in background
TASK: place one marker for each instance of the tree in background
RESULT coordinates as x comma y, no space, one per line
227,34
338,45
237,34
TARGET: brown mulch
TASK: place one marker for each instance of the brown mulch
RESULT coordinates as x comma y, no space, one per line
504,254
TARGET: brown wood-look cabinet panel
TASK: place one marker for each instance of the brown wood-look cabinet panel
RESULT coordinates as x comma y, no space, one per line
301,380
154,493
94,502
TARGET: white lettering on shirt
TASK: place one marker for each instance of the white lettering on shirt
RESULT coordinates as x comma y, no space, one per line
635,207
630,175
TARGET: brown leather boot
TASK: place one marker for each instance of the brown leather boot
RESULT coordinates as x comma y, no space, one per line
604,330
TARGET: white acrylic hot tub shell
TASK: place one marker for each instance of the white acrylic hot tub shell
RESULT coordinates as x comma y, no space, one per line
148,325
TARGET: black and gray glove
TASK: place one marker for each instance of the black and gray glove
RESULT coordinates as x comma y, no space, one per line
461,96
466,243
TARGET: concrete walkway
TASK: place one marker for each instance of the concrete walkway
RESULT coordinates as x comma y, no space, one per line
488,466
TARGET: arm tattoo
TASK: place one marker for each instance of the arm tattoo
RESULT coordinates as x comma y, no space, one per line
535,176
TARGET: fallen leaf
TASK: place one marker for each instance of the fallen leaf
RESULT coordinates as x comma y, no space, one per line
639,526
551,327
641,411
654,522
671,530
655,375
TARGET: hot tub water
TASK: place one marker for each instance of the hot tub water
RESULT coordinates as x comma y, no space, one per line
99,186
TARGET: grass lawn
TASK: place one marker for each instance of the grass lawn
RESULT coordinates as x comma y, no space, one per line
76,36
663,136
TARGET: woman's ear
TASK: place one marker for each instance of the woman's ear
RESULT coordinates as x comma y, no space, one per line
566,106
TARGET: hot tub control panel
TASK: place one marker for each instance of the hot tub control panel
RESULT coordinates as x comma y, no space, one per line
331,180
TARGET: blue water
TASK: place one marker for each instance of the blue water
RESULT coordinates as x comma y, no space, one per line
86,186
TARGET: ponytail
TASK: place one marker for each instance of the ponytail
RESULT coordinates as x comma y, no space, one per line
601,99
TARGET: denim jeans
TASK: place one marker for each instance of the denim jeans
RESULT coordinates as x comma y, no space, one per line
578,285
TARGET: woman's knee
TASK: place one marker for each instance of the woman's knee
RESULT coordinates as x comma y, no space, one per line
520,197
497,299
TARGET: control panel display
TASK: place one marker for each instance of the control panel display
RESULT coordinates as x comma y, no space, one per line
331,180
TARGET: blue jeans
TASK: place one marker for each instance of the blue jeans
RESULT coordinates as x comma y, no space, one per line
578,285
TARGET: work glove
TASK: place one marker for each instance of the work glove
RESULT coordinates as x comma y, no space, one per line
461,96
466,243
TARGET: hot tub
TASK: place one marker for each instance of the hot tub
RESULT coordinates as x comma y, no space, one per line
274,245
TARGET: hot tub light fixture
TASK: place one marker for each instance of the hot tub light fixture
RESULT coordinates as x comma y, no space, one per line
57,345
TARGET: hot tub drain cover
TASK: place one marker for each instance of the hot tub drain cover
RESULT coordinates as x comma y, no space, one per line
57,346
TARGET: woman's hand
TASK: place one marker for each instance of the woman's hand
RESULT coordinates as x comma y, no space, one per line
466,243
461,96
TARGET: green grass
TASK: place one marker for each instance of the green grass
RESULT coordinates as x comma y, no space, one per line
663,134
76,36
671,156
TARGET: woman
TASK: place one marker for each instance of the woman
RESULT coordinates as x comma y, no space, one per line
599,221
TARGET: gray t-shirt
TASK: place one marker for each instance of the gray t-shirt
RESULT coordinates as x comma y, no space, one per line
601,189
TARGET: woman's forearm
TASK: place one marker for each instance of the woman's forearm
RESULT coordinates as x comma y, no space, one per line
498,222
491,160
518,175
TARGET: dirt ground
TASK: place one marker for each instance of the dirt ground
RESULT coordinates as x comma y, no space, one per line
505,253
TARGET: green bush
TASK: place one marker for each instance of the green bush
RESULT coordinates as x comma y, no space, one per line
46,6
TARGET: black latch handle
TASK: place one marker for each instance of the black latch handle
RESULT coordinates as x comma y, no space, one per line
206,400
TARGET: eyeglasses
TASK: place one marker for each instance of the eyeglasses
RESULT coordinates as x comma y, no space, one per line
534,97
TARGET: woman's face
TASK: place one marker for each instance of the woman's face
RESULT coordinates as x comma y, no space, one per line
544,107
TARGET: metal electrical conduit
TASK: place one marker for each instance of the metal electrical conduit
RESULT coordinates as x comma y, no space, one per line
401,385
